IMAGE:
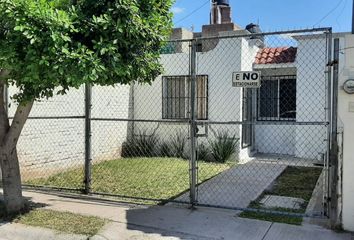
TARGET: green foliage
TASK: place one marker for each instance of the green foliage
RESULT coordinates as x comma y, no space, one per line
51,46
175,146
142,145
223,146
264,216
63,222
145,145
296,182
204,153
154,178
178,145
165,150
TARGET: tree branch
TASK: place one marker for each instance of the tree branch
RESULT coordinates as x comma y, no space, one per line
9,135
22,112
4,120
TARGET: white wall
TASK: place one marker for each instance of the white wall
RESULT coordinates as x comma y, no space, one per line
311,96
230,55
148,100
346,117
275,139
107,136
47,146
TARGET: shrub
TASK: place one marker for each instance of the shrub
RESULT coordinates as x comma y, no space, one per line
178,144
204,153
165,150
143,145
223,147
174,147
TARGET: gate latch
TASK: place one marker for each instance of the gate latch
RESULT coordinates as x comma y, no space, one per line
331,64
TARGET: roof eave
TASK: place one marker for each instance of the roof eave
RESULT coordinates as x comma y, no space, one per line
274,65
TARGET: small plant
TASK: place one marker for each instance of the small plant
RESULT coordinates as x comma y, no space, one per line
178,144
223,147
175,147
165,150
142,145
204,153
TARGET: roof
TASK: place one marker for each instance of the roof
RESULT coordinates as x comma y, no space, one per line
276,55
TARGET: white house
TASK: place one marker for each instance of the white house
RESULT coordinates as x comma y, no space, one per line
288,113
287,117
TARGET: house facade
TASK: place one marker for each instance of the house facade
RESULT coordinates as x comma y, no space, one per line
286,116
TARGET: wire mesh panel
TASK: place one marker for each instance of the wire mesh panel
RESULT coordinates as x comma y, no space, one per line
192,135
140,133
270,143
50,149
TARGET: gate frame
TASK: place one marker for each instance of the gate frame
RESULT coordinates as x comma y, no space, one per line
331,159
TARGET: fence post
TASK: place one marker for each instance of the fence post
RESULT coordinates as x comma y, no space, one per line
88,150
193,125
335,221
326,189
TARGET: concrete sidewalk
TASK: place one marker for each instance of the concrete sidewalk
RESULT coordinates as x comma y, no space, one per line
238,186
14,231
168,222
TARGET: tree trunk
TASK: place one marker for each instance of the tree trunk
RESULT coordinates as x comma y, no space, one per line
9,135
11,179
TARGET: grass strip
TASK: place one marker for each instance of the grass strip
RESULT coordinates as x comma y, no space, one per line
64,222
296,182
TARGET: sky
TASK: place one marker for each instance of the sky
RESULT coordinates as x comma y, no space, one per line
272,15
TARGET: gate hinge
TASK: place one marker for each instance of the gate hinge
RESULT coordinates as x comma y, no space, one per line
331,64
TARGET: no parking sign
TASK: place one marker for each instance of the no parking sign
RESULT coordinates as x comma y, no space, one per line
246,79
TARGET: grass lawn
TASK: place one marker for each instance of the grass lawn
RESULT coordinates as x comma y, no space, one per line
153,178
62,222
297,182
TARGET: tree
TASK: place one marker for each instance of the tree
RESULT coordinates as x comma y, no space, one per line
48,47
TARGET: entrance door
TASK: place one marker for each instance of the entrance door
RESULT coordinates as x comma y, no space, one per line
247,110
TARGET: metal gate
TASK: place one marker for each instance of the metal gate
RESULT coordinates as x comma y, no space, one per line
271,144
194,137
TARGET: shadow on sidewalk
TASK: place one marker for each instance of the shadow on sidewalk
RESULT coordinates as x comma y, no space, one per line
182,223
206,224
167,221
29,206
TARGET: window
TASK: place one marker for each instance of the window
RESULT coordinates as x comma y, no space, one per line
176,97
277,98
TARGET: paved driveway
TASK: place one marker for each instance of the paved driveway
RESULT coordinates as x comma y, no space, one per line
238,186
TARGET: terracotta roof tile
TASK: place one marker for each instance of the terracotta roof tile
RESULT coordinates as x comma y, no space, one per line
276,55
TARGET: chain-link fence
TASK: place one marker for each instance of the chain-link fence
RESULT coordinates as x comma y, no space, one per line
273,138
194,136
